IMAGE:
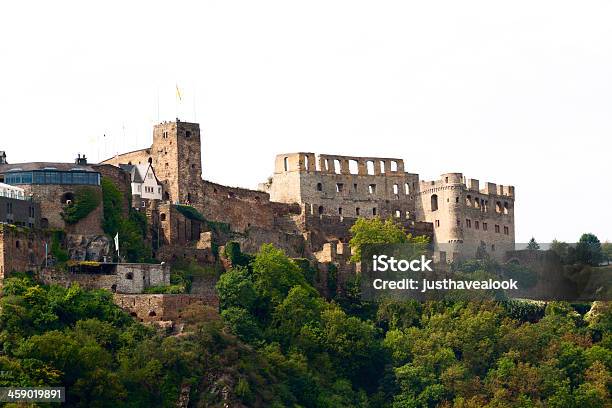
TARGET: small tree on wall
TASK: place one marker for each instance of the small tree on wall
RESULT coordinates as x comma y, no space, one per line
533,245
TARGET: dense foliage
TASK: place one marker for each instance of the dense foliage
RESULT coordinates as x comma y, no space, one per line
278,343
131,229
86,199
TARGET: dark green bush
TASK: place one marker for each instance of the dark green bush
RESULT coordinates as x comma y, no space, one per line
86,199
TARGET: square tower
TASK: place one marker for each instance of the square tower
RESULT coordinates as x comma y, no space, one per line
176,156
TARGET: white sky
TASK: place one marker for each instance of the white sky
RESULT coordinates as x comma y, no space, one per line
510,92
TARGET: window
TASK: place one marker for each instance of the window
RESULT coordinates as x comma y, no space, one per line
395,189
493,247
319,187
468,200
382,166
434,202
286,163
372,189
337,167
129,276
340,211
446,179
162,217
498,207
188,134
398,213
339,187
355,187
374,211
484,226
468,223
457,199
370,167
320,209
497,228
353,167
506,231
437,223
393,165
407,215
357,211
458,222
506,207
407,188
476,225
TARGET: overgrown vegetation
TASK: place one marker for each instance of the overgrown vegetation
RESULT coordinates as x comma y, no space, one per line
132,230
290,347
86,199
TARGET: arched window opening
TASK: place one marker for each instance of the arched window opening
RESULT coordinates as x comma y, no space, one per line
67,198
162,216
374,211
306,163
395,189
506,207
498,207
407,188
319,187
286,163
393,165
434,202
353,167
382,167
398,213
152,313
357,211
129,276
321,210
468,200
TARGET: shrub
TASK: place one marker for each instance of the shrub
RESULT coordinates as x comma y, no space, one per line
86,199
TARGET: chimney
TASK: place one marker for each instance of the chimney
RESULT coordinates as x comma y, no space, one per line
81,160
2,157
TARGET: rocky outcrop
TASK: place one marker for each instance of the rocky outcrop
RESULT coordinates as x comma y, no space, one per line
89,247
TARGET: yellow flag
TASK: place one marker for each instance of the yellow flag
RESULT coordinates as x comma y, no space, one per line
178,93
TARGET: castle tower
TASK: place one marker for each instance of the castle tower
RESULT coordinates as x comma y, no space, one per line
176,156
466,217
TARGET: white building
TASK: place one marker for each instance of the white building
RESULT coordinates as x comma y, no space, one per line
145,184
9,191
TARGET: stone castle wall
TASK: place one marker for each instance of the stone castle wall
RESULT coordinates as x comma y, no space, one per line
21,250
52,201
126,278
153,308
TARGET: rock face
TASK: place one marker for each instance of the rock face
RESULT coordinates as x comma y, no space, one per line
89,247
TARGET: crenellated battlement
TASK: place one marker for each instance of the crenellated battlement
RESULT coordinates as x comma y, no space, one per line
457,180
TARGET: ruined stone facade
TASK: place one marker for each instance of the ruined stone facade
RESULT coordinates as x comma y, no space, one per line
463,216
21,250
344,186
117,278
154,308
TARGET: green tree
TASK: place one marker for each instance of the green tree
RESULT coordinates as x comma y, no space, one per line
533,245
606,249
588,250
375,231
